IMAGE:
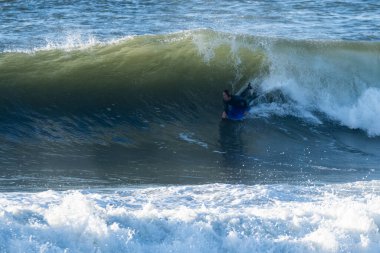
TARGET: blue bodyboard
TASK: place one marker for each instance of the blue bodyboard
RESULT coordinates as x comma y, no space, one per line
237,113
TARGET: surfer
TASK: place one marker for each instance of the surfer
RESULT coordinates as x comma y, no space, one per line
235,106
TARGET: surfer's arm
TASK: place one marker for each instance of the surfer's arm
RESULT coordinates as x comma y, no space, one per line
246,92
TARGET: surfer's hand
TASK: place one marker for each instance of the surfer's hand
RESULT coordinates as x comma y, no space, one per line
224,115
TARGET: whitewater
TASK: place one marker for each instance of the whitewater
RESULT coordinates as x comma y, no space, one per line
111,138
261,218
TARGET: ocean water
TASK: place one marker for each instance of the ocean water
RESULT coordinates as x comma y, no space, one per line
111,138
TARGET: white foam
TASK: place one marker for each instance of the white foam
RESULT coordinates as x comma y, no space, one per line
189,137
269,109
363,114
205,218
70,41
340,82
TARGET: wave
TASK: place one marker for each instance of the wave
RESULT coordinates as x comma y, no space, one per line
205,218
179,77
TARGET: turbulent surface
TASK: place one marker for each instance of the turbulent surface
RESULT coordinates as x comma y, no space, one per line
262,218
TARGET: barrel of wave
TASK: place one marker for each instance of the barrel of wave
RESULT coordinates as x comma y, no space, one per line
151,69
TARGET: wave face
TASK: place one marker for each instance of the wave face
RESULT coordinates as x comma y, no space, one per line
136,73
317,102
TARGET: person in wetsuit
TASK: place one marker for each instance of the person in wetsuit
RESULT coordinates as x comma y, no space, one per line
235,106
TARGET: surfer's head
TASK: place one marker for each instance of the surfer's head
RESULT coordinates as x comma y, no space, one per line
226,95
